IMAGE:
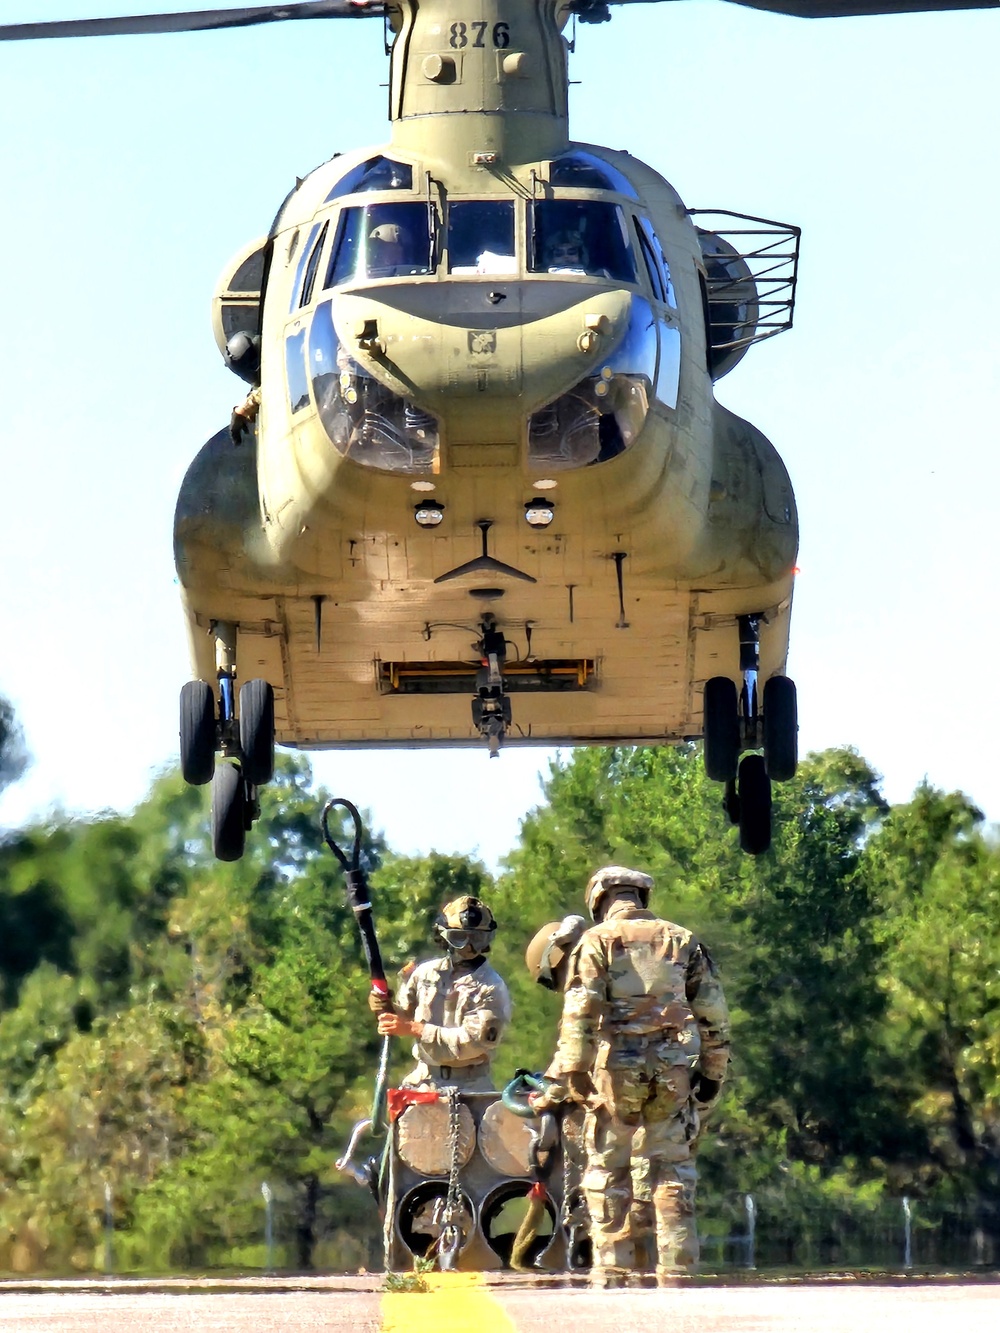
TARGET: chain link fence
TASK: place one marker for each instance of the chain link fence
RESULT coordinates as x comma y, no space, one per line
272,1228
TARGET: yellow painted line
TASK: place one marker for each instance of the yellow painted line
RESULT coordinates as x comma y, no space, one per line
454,1303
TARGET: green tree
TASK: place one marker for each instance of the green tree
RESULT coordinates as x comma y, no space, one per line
792,932
937,879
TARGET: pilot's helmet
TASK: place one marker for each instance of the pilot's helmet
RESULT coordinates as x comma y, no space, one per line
388,233
567,250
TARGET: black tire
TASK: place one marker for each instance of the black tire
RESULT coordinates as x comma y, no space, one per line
755,805
257,732
731,802
781,728
197,732
722,729
229,803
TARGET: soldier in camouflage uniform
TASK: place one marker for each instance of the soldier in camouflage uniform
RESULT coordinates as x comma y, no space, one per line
456,1008
644,1044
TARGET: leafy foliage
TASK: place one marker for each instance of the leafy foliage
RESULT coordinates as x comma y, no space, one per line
177,1034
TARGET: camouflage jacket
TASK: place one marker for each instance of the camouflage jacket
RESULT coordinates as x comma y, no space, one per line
641,989
464,1011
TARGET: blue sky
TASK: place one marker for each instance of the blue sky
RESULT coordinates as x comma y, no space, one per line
134,167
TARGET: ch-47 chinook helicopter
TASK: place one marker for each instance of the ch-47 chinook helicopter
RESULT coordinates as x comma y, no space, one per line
481,488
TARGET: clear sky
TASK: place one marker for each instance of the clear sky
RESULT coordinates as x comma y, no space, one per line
132,168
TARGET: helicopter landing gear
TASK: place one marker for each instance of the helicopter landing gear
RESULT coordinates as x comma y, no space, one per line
198,732
245,739
733,722
234,808
491,711
722,729
755,805
257,731
781,728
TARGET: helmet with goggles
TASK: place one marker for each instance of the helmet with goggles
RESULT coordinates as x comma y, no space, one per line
465,926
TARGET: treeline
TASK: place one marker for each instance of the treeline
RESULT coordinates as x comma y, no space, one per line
176,1033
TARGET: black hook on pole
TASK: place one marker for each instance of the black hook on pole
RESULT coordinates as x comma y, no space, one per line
357,889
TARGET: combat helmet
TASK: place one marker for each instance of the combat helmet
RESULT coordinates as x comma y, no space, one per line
550,947
465,927
609,878
389,233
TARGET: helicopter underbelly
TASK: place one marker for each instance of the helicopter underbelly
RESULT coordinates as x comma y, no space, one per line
615,614
398,667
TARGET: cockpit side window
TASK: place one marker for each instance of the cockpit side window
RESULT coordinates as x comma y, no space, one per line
581,236
481,237
656,260
309,281
381,241
377,173
652,267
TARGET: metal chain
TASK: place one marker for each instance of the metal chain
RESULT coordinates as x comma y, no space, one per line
567,1185
569,1218
451,1232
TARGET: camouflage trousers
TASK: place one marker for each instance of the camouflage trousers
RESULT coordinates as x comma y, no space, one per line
640,1176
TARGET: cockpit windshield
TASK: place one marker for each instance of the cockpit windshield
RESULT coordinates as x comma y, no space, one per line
377,173
381,241
584,171
481,237
581,236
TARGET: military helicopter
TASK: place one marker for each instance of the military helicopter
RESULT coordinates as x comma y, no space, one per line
481,489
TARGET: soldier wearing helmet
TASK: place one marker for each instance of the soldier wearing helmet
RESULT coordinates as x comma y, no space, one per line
388,246
566,253
644,1045
455,1008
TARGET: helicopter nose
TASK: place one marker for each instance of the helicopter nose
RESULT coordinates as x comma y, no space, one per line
482,364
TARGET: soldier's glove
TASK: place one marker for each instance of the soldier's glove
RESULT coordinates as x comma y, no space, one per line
705,1092
575,1087
379,1003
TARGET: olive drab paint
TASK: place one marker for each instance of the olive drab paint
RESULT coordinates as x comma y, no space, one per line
409,288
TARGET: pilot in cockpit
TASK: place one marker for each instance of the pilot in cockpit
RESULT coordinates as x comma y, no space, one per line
388,251
566,253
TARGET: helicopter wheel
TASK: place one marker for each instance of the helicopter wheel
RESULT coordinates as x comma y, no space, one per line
731,802
755,805
198,732
257,732
229,812
781,728
722,729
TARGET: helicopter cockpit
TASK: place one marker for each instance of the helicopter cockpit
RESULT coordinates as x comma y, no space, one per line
584,221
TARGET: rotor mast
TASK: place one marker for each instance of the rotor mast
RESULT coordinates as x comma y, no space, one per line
482,79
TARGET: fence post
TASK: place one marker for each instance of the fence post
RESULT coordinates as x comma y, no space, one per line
751,1211
109,1230
268,1194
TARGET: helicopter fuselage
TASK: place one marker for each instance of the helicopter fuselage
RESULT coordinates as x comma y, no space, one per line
485,393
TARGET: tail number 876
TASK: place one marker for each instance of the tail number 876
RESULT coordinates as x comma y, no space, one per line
462,32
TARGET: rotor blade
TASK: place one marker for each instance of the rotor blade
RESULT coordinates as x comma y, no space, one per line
203,21
833,9
596,11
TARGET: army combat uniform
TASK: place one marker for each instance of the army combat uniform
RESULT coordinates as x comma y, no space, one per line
644,1015
464,1008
